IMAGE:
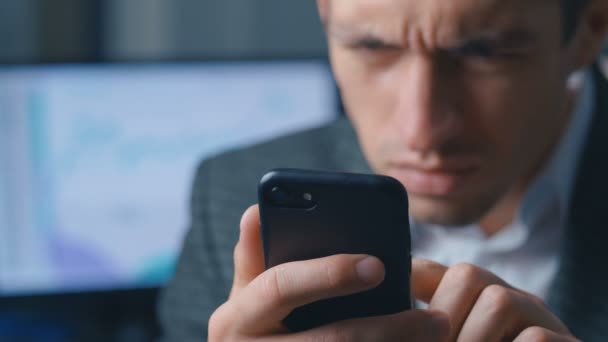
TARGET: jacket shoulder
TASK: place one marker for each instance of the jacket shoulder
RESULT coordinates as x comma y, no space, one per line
330,147
226,185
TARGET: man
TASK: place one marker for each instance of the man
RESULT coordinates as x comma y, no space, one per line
474,106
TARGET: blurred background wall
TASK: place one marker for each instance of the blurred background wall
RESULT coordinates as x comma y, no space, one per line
18,30
35,30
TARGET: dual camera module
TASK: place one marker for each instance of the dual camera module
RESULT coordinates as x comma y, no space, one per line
282,197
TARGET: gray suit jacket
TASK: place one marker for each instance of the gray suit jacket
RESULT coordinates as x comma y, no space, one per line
226,185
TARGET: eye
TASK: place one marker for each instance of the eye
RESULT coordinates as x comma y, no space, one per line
373,45
486,56
480,50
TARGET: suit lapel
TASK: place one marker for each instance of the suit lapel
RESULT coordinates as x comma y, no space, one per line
579,295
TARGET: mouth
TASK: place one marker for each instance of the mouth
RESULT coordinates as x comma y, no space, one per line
436,181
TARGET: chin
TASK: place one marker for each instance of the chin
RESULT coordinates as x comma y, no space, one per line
451,212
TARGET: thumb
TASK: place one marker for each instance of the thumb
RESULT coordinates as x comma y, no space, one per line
248,253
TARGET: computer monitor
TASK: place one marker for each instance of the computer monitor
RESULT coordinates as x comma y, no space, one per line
96,161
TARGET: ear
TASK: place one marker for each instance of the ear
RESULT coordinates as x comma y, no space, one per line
323,6
591,34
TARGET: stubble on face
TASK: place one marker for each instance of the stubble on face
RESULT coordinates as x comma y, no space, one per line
462,130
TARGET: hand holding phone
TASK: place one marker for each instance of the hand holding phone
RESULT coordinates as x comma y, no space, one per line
310,214
261,299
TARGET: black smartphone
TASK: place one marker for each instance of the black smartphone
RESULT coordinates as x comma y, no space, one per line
312,214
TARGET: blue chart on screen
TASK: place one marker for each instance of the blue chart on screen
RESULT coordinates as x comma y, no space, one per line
97,161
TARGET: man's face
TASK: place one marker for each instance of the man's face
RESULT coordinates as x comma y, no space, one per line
460,100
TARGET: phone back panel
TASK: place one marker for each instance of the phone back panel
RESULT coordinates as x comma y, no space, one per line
352,214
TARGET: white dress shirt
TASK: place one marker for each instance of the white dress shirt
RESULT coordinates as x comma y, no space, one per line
526,252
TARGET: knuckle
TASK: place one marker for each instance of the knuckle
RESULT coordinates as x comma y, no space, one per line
536,300
496,299
535,334
464,273
282,281
272,287
217,325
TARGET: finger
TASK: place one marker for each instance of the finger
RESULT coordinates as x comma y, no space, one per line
501,313
536,334
276,292
412,325
248,253
458,291
426,276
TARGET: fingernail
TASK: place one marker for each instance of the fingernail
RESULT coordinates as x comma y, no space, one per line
441,323
370,270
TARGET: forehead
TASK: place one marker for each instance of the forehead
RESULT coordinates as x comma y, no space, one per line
440,18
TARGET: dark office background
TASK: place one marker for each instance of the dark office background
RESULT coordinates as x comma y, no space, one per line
41,31
60,30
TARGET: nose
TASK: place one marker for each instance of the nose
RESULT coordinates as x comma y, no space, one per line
426,113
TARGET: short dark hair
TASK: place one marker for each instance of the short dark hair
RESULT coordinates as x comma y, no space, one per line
571,12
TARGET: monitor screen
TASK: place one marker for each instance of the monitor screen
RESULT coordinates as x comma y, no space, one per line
96,161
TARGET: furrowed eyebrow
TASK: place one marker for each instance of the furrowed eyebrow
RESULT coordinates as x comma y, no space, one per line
510,39
353,36
513,39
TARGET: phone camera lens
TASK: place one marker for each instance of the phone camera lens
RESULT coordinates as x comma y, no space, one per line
290,198
279,196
